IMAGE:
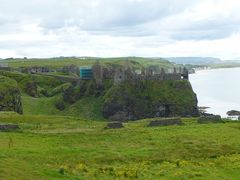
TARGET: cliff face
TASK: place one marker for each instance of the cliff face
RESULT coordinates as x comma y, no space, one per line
148,99
10,97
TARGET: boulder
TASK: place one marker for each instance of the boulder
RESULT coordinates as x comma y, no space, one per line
166,122
233,113
210,119
9,127
114,125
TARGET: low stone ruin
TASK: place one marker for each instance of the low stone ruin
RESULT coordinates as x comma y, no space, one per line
9,127
114,125
165,122
210,119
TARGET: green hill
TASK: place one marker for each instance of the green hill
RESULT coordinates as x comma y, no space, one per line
43,95
64,61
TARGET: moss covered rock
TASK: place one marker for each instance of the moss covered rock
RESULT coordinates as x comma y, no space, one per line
148,99
25,82
10,97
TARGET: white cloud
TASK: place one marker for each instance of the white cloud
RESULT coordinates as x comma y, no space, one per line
43,28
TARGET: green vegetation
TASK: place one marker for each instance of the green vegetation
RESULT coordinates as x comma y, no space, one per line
62,133
225,65
87,108
88,61
10,97
149,98
58,147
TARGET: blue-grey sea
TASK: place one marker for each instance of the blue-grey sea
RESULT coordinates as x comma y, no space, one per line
218,89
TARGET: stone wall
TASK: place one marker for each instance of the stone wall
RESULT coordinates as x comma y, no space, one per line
126,73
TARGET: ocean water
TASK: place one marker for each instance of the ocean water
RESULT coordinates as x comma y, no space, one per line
218,89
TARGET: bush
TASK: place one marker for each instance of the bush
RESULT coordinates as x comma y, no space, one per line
42,91
60,89
69,95
60,105
29,87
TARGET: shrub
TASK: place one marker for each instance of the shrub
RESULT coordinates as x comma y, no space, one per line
60,89
29,87
69,95
60,105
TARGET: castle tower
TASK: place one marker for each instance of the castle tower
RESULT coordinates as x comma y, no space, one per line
162,71
127,66
174,70
119,76
128,71
185,73
98,73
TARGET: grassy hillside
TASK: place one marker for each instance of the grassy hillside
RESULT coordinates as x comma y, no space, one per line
225,65
58,147
86,107
64,61
45,95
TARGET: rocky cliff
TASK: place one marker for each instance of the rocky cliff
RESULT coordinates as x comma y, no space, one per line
148,99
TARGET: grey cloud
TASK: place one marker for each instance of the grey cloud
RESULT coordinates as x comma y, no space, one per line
208,29
106,25
91,15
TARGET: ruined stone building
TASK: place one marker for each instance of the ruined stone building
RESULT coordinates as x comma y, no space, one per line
126,73
38,69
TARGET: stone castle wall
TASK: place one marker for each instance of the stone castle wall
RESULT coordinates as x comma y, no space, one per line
127,74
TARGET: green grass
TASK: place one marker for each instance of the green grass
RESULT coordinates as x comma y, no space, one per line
59,147
72,144
65,61
86,108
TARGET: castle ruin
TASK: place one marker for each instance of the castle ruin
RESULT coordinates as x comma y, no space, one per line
126,73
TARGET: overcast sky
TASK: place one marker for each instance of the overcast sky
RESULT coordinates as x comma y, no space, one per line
151,28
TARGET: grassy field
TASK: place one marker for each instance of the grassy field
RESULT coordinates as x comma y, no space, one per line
56,147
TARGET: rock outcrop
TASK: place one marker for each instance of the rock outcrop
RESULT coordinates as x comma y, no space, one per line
149,99
10,96
210,119
8,127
